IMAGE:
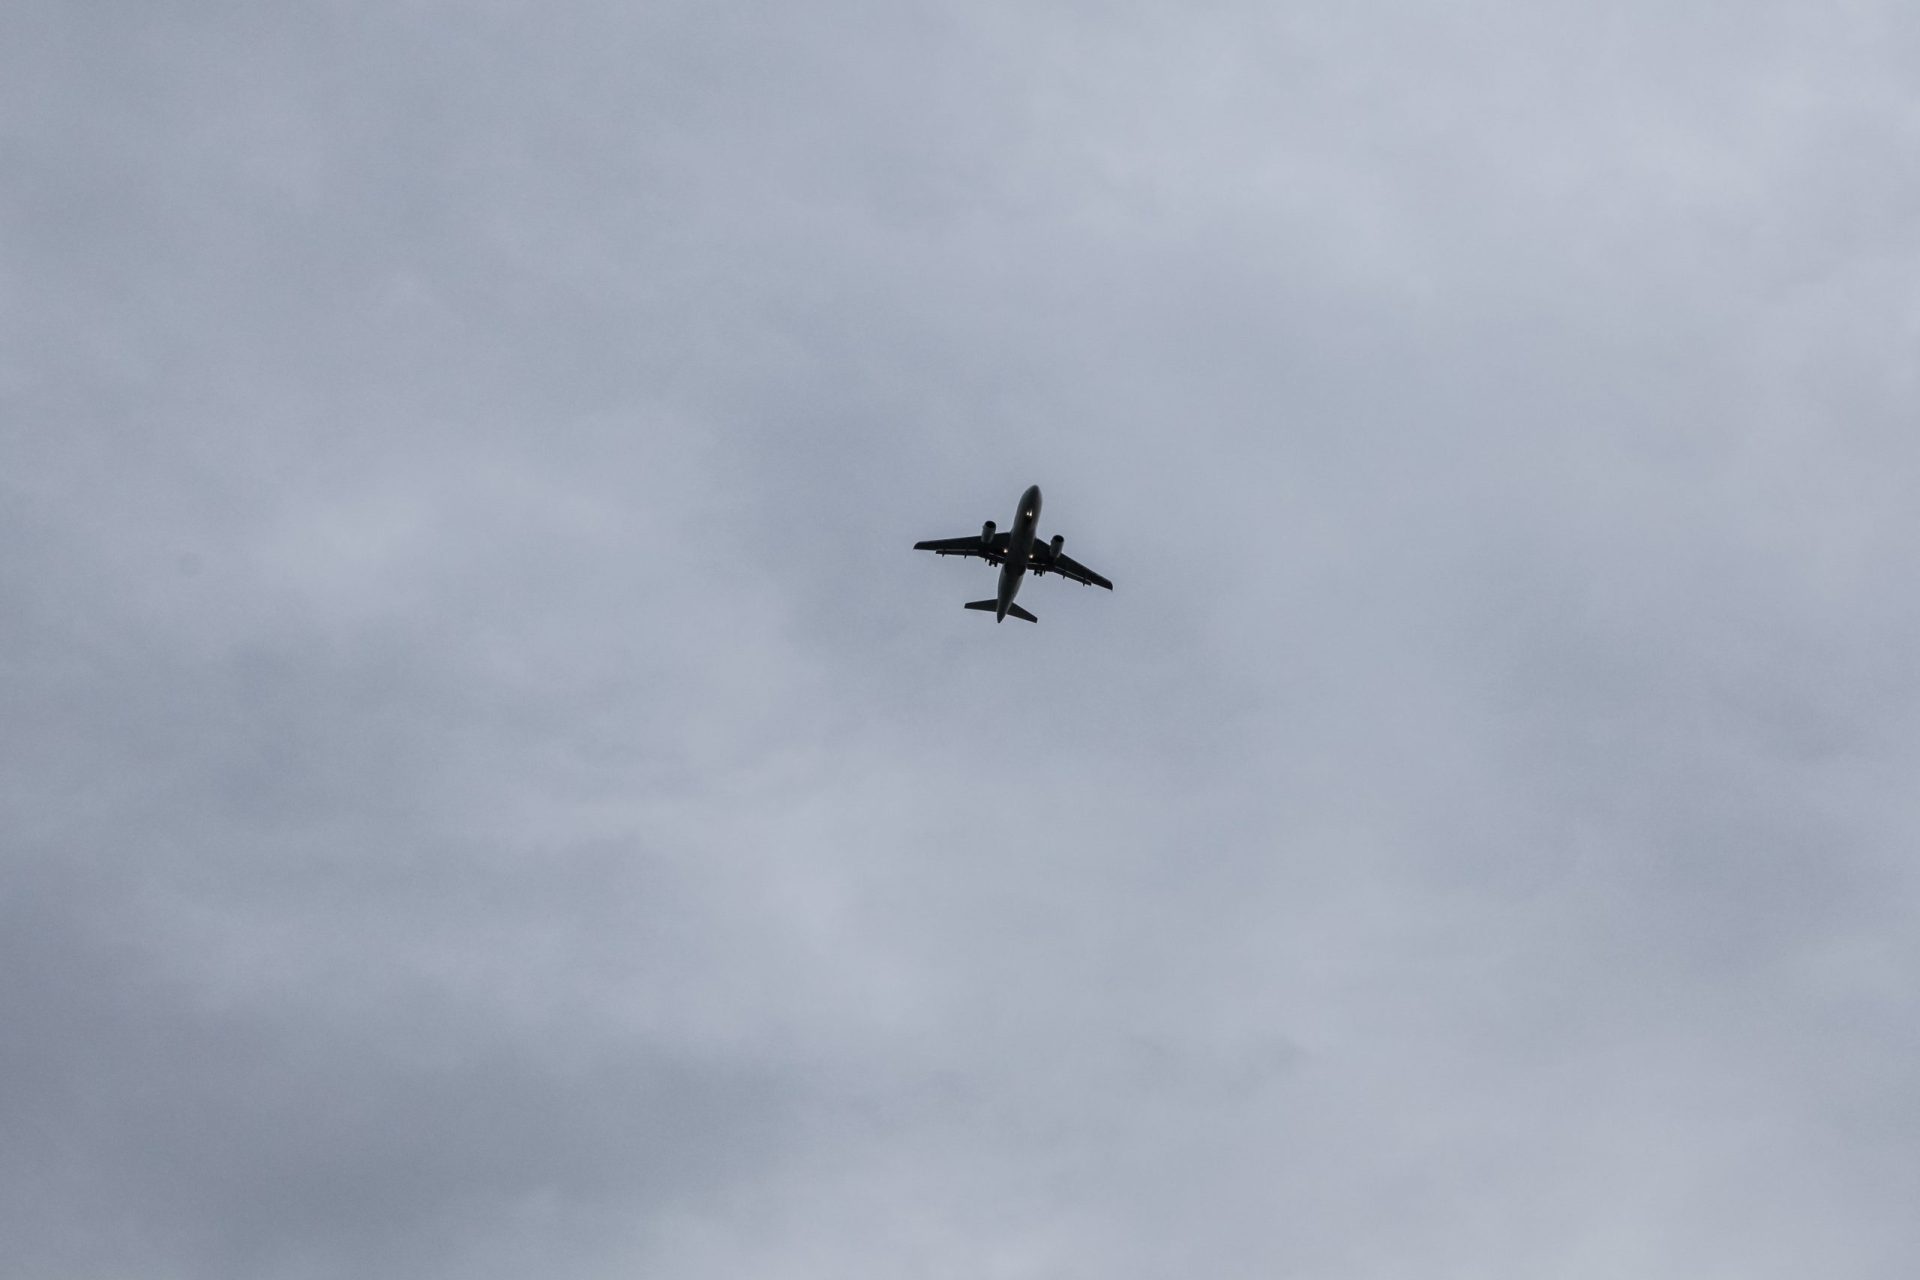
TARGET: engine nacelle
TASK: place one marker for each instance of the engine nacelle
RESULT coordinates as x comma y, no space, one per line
986,533
1053,547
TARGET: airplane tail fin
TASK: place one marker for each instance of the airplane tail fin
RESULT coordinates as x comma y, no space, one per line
993,606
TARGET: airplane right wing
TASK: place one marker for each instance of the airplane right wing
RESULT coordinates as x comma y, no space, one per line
1067,567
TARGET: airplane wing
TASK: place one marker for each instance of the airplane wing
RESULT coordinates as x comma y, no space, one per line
1067,567
993,552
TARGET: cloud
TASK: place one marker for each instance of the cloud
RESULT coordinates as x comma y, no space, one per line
487,787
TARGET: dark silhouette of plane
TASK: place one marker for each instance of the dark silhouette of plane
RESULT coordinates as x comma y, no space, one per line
1016,551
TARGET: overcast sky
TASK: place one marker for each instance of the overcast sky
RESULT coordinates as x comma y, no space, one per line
487,790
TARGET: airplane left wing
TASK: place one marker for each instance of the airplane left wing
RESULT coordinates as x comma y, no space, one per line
992,552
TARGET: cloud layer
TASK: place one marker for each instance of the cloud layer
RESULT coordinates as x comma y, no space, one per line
485,787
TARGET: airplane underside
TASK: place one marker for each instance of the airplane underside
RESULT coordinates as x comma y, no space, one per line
1016,551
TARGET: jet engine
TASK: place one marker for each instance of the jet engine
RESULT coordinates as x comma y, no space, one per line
986,533
1053,547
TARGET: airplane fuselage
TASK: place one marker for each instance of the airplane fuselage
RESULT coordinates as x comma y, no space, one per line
1019,550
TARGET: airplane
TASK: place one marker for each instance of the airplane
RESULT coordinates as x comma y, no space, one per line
1016,551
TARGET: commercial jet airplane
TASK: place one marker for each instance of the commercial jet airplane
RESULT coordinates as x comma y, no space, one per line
1016,551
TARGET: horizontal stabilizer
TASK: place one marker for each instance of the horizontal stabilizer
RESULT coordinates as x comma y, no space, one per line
993,606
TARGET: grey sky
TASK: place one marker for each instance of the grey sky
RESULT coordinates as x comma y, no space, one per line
486,790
